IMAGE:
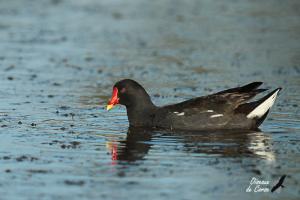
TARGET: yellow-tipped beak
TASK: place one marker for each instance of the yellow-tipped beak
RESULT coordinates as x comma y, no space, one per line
114,99
109,106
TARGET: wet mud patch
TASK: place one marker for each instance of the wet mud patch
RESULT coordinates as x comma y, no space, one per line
74,182
39,171
26,158
72,145
64,145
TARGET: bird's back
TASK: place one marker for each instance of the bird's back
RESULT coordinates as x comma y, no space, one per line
227,109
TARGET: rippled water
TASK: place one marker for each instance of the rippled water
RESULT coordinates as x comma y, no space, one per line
59,60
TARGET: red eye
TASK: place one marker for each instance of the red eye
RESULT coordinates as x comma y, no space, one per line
123,90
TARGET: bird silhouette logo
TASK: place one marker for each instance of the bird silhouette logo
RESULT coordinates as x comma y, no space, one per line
279,184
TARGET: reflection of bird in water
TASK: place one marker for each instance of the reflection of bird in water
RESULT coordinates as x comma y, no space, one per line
113,147
279,184
134,147
229,143
260,145
225,144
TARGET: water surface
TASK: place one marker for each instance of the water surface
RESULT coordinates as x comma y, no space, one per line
59,60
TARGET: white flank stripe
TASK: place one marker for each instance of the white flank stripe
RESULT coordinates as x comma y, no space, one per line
217,115
260,110
209,111
180,114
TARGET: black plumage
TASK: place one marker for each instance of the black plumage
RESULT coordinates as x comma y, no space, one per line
228,109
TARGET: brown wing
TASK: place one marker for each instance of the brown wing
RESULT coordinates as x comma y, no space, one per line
240,95
221,101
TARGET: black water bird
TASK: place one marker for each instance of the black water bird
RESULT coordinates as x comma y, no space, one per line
228,109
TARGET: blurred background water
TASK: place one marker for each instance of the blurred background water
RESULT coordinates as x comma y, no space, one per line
59,60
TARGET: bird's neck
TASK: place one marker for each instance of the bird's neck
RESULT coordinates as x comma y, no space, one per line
141,115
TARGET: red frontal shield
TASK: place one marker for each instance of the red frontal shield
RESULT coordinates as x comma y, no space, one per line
114,99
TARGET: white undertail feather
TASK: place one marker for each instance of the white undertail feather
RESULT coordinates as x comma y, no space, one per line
262,108
217,115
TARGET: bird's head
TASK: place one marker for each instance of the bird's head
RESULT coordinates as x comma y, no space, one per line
129,93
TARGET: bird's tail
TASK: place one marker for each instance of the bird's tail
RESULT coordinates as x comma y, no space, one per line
259,109
262,106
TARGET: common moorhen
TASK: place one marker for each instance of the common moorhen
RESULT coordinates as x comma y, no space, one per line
228,109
